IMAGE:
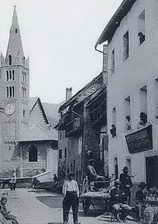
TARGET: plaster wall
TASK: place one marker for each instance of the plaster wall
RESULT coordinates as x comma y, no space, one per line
138,70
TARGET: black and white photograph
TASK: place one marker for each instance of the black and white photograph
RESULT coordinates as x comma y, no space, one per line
79,112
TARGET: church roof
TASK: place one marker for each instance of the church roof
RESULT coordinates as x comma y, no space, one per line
39,130
51,111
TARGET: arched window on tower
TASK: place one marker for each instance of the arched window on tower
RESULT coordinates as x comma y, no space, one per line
10,59
33,153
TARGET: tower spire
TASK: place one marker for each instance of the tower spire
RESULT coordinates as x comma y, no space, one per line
15,54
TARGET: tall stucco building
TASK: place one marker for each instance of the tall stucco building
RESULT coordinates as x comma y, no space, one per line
130,42
26,134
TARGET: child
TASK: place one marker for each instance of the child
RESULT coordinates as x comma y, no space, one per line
5,213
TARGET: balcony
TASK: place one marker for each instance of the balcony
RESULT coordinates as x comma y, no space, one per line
73,127
98,115
97,110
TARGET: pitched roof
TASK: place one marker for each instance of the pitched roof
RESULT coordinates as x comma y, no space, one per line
34,131
114,22
85,92
51,111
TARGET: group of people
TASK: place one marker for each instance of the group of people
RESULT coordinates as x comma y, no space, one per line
120,193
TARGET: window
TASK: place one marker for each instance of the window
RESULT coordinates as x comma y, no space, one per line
60,154
141,27
7,75
10,75
143,105
65,152
127,113
13,74
7,91
113,61
10,92
33,154
126,46
10,59
16,30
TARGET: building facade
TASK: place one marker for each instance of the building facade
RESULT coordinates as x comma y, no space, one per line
130,41
81,128
22,119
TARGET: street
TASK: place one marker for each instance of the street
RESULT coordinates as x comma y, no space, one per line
41,207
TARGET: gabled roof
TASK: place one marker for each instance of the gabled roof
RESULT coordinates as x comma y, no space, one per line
114,22
36,132
38,101
96,95
81,95
51,111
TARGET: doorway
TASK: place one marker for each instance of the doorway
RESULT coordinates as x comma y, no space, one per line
152,171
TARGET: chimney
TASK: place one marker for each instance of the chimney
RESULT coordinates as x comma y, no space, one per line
68,93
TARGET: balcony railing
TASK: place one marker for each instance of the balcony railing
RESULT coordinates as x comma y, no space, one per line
98,115
73,127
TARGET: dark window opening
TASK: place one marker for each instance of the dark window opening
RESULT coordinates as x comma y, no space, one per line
65,152
16,30
60,154
33,154
10,59
13,91
7,75
113,61
126,45
7,91
13,74
10,75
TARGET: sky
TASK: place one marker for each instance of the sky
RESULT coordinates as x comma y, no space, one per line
59,37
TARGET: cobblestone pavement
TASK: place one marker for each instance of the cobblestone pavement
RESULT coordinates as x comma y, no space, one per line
43,208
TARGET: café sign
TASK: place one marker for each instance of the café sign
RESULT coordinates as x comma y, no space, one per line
140,140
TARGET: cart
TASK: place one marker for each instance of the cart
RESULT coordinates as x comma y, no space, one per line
98,200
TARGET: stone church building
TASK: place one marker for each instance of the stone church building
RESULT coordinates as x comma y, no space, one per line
28,142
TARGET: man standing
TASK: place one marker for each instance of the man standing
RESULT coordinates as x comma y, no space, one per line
71,199
126,183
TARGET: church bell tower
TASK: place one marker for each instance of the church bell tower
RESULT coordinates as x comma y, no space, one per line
14,89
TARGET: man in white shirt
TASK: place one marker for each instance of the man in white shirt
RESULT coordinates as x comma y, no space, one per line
71,199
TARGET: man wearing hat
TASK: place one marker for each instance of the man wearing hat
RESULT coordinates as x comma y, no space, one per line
71,199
